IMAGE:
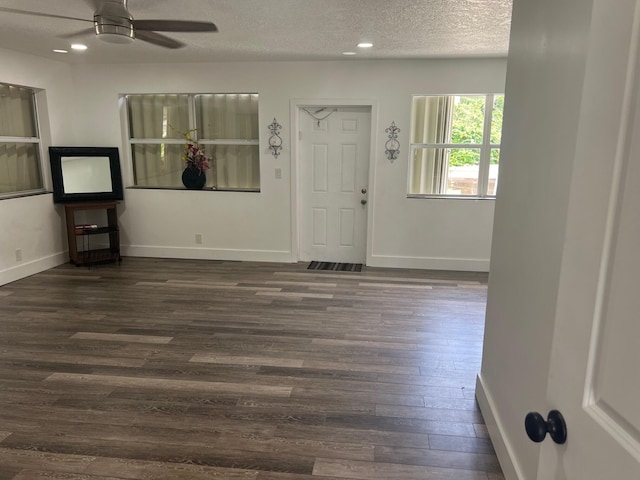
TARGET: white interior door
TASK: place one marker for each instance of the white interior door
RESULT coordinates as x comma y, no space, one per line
334,147
593,377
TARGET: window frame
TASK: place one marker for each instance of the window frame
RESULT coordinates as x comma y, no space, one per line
485,148
36,95
194,130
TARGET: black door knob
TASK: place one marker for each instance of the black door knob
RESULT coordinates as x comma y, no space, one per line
537,428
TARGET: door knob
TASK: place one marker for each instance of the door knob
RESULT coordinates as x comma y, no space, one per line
364,190
537,428
363,201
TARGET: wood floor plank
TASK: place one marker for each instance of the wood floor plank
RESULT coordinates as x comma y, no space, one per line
386,471
236,360
430,413
169,384
74,359
460,444
20,459
294,295
483,462
191,369
167,452
147,470
30,474
119,337
394,285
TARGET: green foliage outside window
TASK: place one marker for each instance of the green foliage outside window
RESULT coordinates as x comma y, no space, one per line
468,126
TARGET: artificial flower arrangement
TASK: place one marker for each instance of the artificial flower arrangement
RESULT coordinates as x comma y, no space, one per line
194,155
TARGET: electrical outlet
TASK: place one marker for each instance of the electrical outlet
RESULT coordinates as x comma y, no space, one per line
18,255
278,173
198,238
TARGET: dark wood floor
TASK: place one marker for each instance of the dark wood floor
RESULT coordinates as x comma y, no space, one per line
174,369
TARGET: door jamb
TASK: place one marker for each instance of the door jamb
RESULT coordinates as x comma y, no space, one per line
295,105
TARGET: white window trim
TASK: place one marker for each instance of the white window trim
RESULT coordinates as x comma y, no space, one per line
43,140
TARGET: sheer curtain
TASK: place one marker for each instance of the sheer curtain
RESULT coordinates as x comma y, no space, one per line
157,118
432,118
19,160
228,128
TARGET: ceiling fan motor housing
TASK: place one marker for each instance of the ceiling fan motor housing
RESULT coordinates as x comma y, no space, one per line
113,22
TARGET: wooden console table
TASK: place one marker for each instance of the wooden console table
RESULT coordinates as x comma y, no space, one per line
88,255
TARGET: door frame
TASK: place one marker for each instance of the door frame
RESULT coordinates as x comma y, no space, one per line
296,201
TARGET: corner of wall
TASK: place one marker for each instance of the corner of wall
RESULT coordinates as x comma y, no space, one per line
501,444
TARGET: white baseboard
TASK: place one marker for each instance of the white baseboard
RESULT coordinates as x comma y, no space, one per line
207,254
429,263
504,451
27,269
30,268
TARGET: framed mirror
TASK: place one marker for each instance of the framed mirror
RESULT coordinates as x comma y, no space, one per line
85,174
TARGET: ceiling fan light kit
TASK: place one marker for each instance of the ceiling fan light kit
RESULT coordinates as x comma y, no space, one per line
114,30
113,22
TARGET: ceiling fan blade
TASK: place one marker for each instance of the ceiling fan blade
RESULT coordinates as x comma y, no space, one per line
38,14
174,26
157,39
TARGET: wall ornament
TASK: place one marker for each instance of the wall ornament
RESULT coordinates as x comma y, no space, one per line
275,140
392,146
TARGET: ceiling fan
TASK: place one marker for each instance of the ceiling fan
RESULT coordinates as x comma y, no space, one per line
113,23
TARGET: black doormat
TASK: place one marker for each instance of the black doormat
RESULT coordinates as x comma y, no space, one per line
339,267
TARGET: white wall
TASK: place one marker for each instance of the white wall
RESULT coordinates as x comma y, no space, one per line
34,225
445,234
545,76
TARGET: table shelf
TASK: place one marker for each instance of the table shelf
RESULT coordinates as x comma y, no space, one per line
93,255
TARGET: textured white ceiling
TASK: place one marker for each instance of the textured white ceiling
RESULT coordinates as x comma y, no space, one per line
272,30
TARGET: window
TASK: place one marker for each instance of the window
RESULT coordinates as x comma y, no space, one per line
455,145
225,125
20,165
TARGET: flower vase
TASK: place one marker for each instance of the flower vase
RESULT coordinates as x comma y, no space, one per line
193,178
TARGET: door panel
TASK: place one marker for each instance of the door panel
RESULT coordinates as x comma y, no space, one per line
334,170
347,225
614,386
320,227
349,159
613,392
593,374
320,168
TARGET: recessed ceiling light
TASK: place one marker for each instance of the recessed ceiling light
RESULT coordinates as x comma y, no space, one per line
365,45
79,46
59,50
349,53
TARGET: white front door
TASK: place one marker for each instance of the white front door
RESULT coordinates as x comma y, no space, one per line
594,377
334,147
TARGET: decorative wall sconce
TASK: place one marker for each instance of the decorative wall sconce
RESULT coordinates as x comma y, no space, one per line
392,146
275,141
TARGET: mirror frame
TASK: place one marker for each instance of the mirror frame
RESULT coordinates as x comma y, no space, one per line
60,196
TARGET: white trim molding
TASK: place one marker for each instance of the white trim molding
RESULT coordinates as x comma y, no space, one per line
430,263
31,268
151,251
508,461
